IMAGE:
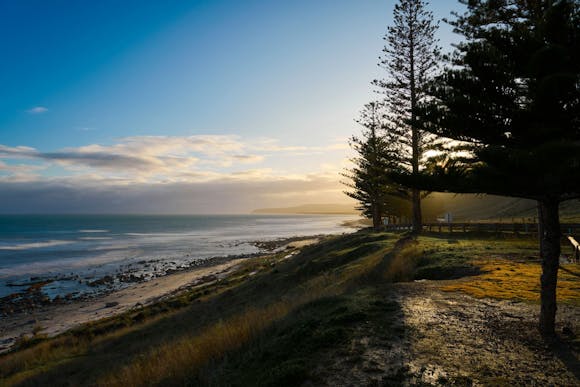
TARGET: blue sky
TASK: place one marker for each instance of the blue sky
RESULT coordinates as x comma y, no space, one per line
148,94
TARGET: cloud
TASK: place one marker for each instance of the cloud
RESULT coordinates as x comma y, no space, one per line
102,159
21,152
216,196
170,158
143,156
169,174
37,110
272,145
248,158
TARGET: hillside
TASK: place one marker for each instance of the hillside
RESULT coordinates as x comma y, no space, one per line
469,207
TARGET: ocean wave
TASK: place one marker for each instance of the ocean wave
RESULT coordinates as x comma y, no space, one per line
158,233
93,231
95,238
64,266
34,245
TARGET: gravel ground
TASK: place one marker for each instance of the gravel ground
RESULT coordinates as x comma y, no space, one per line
450,338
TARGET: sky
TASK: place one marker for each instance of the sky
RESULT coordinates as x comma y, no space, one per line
175,106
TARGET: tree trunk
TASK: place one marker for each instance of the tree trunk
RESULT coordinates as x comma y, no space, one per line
417,216
549,222
376,218
417,222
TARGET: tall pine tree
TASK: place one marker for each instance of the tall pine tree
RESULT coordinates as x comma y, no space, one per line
369,178
512,102
410,57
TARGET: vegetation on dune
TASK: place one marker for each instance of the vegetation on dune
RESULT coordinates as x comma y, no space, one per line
274,321
253,298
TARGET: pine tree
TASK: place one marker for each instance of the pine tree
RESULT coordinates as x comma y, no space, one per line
368,180
410,57
512,102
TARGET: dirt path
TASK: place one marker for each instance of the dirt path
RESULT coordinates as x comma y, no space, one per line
449,338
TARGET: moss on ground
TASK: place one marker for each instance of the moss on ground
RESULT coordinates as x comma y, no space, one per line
513,280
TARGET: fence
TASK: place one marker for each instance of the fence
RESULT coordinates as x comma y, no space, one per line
532,228
576,247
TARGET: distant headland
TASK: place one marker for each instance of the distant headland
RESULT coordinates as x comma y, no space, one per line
311,209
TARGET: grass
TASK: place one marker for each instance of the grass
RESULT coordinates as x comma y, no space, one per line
277,320
284,354
504,267
172,362
449,258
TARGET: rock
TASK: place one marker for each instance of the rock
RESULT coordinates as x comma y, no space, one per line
105,280
111,304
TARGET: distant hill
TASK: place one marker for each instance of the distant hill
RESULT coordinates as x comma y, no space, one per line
490,207
318,209
466,207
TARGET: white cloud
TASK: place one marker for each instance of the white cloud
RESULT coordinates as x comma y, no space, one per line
37,110
272,145
248,159
178,159
170,174
20,152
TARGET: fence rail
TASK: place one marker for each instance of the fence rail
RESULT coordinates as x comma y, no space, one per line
567,228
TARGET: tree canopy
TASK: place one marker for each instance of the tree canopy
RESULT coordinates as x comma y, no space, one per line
410,57
369,178
510,100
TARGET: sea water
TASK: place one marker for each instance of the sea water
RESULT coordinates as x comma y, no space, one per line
73,252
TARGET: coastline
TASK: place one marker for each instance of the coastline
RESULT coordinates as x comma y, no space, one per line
52,319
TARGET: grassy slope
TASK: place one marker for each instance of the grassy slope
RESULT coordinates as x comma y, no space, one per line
272,323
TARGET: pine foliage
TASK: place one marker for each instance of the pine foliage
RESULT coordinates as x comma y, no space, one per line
512,99
368,180
410,58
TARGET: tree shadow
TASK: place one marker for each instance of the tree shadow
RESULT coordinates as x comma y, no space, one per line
562,348
569,271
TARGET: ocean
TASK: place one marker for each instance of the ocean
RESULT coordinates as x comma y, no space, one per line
78,255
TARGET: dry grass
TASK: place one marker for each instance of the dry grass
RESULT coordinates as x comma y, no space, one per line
173,362
403,264
178,361
507,279
43,354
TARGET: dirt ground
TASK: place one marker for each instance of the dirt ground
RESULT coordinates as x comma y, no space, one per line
448,338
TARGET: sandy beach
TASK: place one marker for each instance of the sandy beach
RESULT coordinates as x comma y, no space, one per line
53,319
